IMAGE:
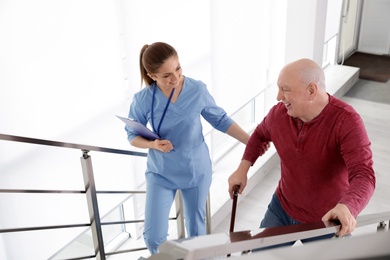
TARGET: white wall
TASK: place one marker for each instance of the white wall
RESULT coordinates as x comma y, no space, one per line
182,23
240,49
60,78
60,65
306,22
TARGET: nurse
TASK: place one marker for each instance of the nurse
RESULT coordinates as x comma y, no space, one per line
173,105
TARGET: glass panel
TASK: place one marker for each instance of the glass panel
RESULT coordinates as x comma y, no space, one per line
259,107
30,166
222,143
330,48
31,210
118,172
111,232
134,209
48,244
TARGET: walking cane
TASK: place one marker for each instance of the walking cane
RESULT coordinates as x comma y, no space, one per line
234,207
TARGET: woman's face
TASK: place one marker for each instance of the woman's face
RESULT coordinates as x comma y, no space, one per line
169,74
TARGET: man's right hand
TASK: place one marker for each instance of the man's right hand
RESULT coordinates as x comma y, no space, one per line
239,177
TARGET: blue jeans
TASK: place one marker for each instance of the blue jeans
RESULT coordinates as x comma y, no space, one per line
275,216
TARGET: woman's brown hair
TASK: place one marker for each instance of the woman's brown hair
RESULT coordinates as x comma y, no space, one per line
152,57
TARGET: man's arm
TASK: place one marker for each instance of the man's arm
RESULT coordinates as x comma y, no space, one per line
357,155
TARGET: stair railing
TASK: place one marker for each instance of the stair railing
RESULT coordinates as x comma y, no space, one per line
91,192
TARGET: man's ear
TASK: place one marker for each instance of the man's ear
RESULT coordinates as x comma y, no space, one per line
312,88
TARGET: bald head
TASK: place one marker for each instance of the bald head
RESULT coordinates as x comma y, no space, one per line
306,71
302,89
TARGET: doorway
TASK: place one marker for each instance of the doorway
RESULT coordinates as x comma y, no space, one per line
349,31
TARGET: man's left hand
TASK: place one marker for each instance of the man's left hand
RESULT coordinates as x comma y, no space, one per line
342,213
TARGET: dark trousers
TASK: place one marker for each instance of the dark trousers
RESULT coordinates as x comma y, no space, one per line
275,216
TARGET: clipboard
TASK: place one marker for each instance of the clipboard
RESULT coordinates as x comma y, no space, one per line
139,128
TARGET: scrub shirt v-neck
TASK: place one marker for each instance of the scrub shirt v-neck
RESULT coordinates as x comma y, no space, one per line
190,162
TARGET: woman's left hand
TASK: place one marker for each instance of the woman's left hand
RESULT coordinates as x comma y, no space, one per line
164,146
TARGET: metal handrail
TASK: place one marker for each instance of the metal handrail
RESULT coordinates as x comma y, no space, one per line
90,191
82,147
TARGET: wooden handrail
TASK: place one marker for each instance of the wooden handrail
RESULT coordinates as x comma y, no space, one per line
220,244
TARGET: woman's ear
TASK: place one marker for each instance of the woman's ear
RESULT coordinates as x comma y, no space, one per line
153,77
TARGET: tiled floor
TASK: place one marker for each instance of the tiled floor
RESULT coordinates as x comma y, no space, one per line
370,90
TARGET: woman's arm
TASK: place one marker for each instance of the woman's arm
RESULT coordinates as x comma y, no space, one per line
238,133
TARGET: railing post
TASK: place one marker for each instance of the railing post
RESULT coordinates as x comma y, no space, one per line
179,215
208,215
381,226
93,209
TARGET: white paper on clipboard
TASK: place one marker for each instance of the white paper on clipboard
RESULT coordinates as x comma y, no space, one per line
139,128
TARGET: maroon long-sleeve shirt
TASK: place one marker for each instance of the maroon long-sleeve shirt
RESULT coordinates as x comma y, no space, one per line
323,162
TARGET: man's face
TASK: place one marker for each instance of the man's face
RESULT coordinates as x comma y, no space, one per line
294,94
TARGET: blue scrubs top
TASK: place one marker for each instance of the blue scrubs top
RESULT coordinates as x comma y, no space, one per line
190,162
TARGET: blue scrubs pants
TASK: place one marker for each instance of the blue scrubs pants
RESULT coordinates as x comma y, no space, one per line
159,201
